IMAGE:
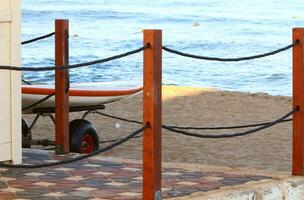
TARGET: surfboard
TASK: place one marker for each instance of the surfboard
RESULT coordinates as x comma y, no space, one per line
80,95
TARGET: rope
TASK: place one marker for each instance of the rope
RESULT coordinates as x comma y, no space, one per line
194,128
119,118
111,146
114,140
14,68
231,59
38,38
38,102
224,127
232,134
26,82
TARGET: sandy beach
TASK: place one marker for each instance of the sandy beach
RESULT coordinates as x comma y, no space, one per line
269,149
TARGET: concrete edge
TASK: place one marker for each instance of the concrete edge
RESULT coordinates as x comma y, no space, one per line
285,189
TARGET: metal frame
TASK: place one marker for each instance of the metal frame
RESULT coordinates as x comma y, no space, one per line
49,112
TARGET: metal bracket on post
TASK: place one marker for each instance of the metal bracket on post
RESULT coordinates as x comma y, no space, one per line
67,61
157,195
59,149
61,86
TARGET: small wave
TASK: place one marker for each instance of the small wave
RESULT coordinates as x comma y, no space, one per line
277,76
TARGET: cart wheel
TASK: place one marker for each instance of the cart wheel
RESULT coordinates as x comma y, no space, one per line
83,137
26,133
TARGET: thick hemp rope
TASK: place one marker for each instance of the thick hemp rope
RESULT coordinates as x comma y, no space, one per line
230,59
109,147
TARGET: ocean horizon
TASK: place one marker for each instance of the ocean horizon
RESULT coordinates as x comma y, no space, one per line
102,28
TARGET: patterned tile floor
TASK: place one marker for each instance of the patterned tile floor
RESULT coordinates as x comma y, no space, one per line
99,178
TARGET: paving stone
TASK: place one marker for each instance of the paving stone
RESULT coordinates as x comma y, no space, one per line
208,185
116,184
75,178
86,189
83,172
76,165
45,184
130,194
258,178
96,178
98,199
25,180
2,185
172,169
43,198
11,189
55,194
164,189
105,194
102,173
121,179
133,165
33,187
60,189
212,178
131,169
69,197
227,175
186,183
112,165
168,174
64,169
11,174
21,199
139,178
218,174
91,165
35,174
177,193
94,182
31,193
235,181
136,184
3,169
56,173
7,195
49,179
83,194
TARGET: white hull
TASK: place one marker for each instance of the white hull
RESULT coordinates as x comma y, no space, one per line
77,101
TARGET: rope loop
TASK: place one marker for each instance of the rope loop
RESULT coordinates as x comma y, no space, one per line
230,135
230,59
37,38
176,129
101,150
84,64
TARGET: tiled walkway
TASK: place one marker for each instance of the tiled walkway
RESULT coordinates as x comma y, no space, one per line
100,178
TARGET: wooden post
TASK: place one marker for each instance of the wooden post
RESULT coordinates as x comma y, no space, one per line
298,102
61,86
152,114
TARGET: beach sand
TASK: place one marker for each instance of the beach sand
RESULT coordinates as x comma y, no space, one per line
269,149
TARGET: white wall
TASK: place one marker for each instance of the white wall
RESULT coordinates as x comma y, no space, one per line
10,83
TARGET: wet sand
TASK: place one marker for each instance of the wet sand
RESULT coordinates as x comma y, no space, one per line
269,149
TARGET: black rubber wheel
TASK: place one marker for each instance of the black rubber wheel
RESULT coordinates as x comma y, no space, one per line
26,133
83,137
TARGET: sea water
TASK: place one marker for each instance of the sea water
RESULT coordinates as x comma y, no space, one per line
218,28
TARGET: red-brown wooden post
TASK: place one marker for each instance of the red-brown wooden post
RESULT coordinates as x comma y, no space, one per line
152,106
61,87
298,102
